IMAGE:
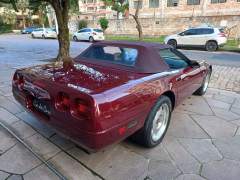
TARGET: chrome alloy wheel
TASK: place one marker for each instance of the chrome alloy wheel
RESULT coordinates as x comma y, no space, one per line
160,122
206,82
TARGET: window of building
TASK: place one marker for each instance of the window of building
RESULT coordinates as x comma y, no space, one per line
218,1
238,0
153,3
135,4
89,1
172,3
90,8
193,2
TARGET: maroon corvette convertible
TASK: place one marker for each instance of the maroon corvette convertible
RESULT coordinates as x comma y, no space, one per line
114,90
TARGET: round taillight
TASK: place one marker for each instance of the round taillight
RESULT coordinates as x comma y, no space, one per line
62,102
80,109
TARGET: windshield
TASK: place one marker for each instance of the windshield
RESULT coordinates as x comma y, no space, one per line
98,30
118,55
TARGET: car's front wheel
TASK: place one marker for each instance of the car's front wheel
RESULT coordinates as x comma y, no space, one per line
43,36
211,46
172,43
156,124
33,36
202,90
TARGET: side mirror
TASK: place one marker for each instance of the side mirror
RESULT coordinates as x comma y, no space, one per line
194,63
181,34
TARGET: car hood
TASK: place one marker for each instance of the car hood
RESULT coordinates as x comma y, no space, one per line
87,78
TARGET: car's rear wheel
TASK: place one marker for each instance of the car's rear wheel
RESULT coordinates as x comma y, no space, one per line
156,124
91,39
202,90
75,38
43,36
172,43
211,46
33,36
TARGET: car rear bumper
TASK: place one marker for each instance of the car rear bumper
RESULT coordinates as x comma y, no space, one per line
98,38
51,35
222,41
91,141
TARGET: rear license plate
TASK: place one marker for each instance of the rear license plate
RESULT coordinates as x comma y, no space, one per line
42,106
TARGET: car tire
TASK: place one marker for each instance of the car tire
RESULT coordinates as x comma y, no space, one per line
147,135
203,89
43,36
75,38
33,36
173,43
211,46
91,39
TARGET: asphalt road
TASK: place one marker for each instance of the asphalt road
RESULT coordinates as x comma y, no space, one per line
22,50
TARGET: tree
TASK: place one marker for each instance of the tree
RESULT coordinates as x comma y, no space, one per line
136,18
39,8
82,24
120,6
23,5
61,8
12,2
103,23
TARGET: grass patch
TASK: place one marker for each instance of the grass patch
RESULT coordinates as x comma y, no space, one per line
231,45
158,39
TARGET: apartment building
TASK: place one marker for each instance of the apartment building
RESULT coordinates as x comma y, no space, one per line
186,8
92,9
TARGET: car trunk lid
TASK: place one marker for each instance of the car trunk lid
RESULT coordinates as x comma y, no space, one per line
90,79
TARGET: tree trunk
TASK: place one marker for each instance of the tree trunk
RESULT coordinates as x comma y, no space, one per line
61,8
135,17
24,20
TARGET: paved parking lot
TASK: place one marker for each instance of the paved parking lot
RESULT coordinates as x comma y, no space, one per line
201,143
203,140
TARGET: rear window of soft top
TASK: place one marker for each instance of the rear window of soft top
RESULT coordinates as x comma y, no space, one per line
113,54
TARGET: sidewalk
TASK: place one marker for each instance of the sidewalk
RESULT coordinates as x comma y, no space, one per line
202,142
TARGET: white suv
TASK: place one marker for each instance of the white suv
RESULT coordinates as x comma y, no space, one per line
89,34
207,37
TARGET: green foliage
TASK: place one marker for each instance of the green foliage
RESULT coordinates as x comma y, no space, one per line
8,17
103,23
4,28
74,8
12,2
120,6
82,24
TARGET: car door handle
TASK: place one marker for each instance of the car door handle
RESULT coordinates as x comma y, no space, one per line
182,77
178,78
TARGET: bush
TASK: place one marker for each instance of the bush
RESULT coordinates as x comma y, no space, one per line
103,23
5,28
82,24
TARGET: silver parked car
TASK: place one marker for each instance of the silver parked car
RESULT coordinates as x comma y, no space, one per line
44,33
208,37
